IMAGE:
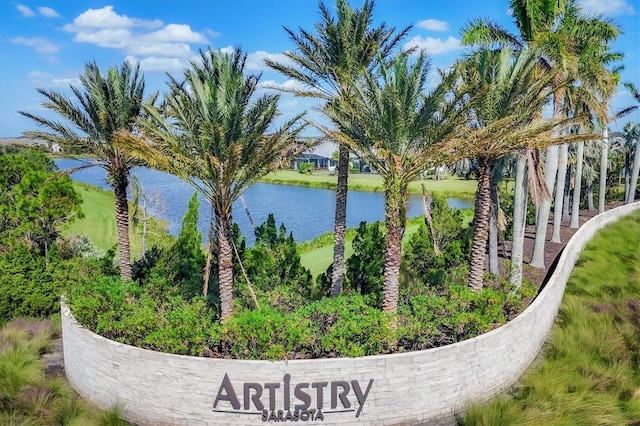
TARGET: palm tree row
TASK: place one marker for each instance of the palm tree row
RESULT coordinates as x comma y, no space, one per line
213,130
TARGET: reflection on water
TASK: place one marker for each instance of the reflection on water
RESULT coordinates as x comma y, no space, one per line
306,212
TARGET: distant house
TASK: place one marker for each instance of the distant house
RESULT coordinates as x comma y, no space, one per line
319,161
320,155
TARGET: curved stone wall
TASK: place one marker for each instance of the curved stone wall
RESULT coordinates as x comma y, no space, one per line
410,388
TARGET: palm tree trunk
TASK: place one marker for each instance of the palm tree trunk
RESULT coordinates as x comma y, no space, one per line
493,230
575,204
590,205
627,175
542,220
395,219
519,217
225,266
340,225
480,224
604,159
566,203
210,241
122,221
558,207
634,174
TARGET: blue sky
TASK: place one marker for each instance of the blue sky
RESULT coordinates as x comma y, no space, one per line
45,44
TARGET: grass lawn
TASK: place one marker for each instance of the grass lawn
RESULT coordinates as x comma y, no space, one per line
447,186
589,373
99,222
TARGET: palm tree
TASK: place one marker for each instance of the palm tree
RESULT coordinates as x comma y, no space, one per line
103,106
577,46
534,20
632,136
328,64
397,129
510,90
214,134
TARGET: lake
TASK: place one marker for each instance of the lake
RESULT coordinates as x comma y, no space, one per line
306,212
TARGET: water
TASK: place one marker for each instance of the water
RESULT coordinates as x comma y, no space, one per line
307,212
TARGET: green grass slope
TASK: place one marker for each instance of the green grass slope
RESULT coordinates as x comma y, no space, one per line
99,222
590,371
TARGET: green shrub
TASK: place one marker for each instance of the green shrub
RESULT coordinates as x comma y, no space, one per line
349,326
184,329
365,268
306,168
274,269
31,284
262,334
128,313
421,265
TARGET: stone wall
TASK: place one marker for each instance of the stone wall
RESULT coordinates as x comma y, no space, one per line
409,388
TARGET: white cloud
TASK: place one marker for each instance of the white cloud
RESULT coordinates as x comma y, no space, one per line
107,18
40,44
108,37
227,49
434,46
135,37
45,79
175,33
48,12
607,7
66,81
255,60
155,45
25,11
180,50
212,33
286,85
434,25
157,64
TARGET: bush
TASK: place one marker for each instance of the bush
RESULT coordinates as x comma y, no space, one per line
274,269
137,316
178,268
31,284
306,168
349,326
365,268
421,265
262,334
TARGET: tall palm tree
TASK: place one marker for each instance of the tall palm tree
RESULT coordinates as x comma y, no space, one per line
632,135
101,107
559,30
511,90
212,132
328,63
577,46
533,19
397,129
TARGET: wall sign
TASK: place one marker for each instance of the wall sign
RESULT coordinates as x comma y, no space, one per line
292,402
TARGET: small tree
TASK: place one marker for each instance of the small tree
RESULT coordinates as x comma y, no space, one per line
274,268
365,268
421,262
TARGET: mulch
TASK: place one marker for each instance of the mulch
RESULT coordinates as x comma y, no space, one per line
551,250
